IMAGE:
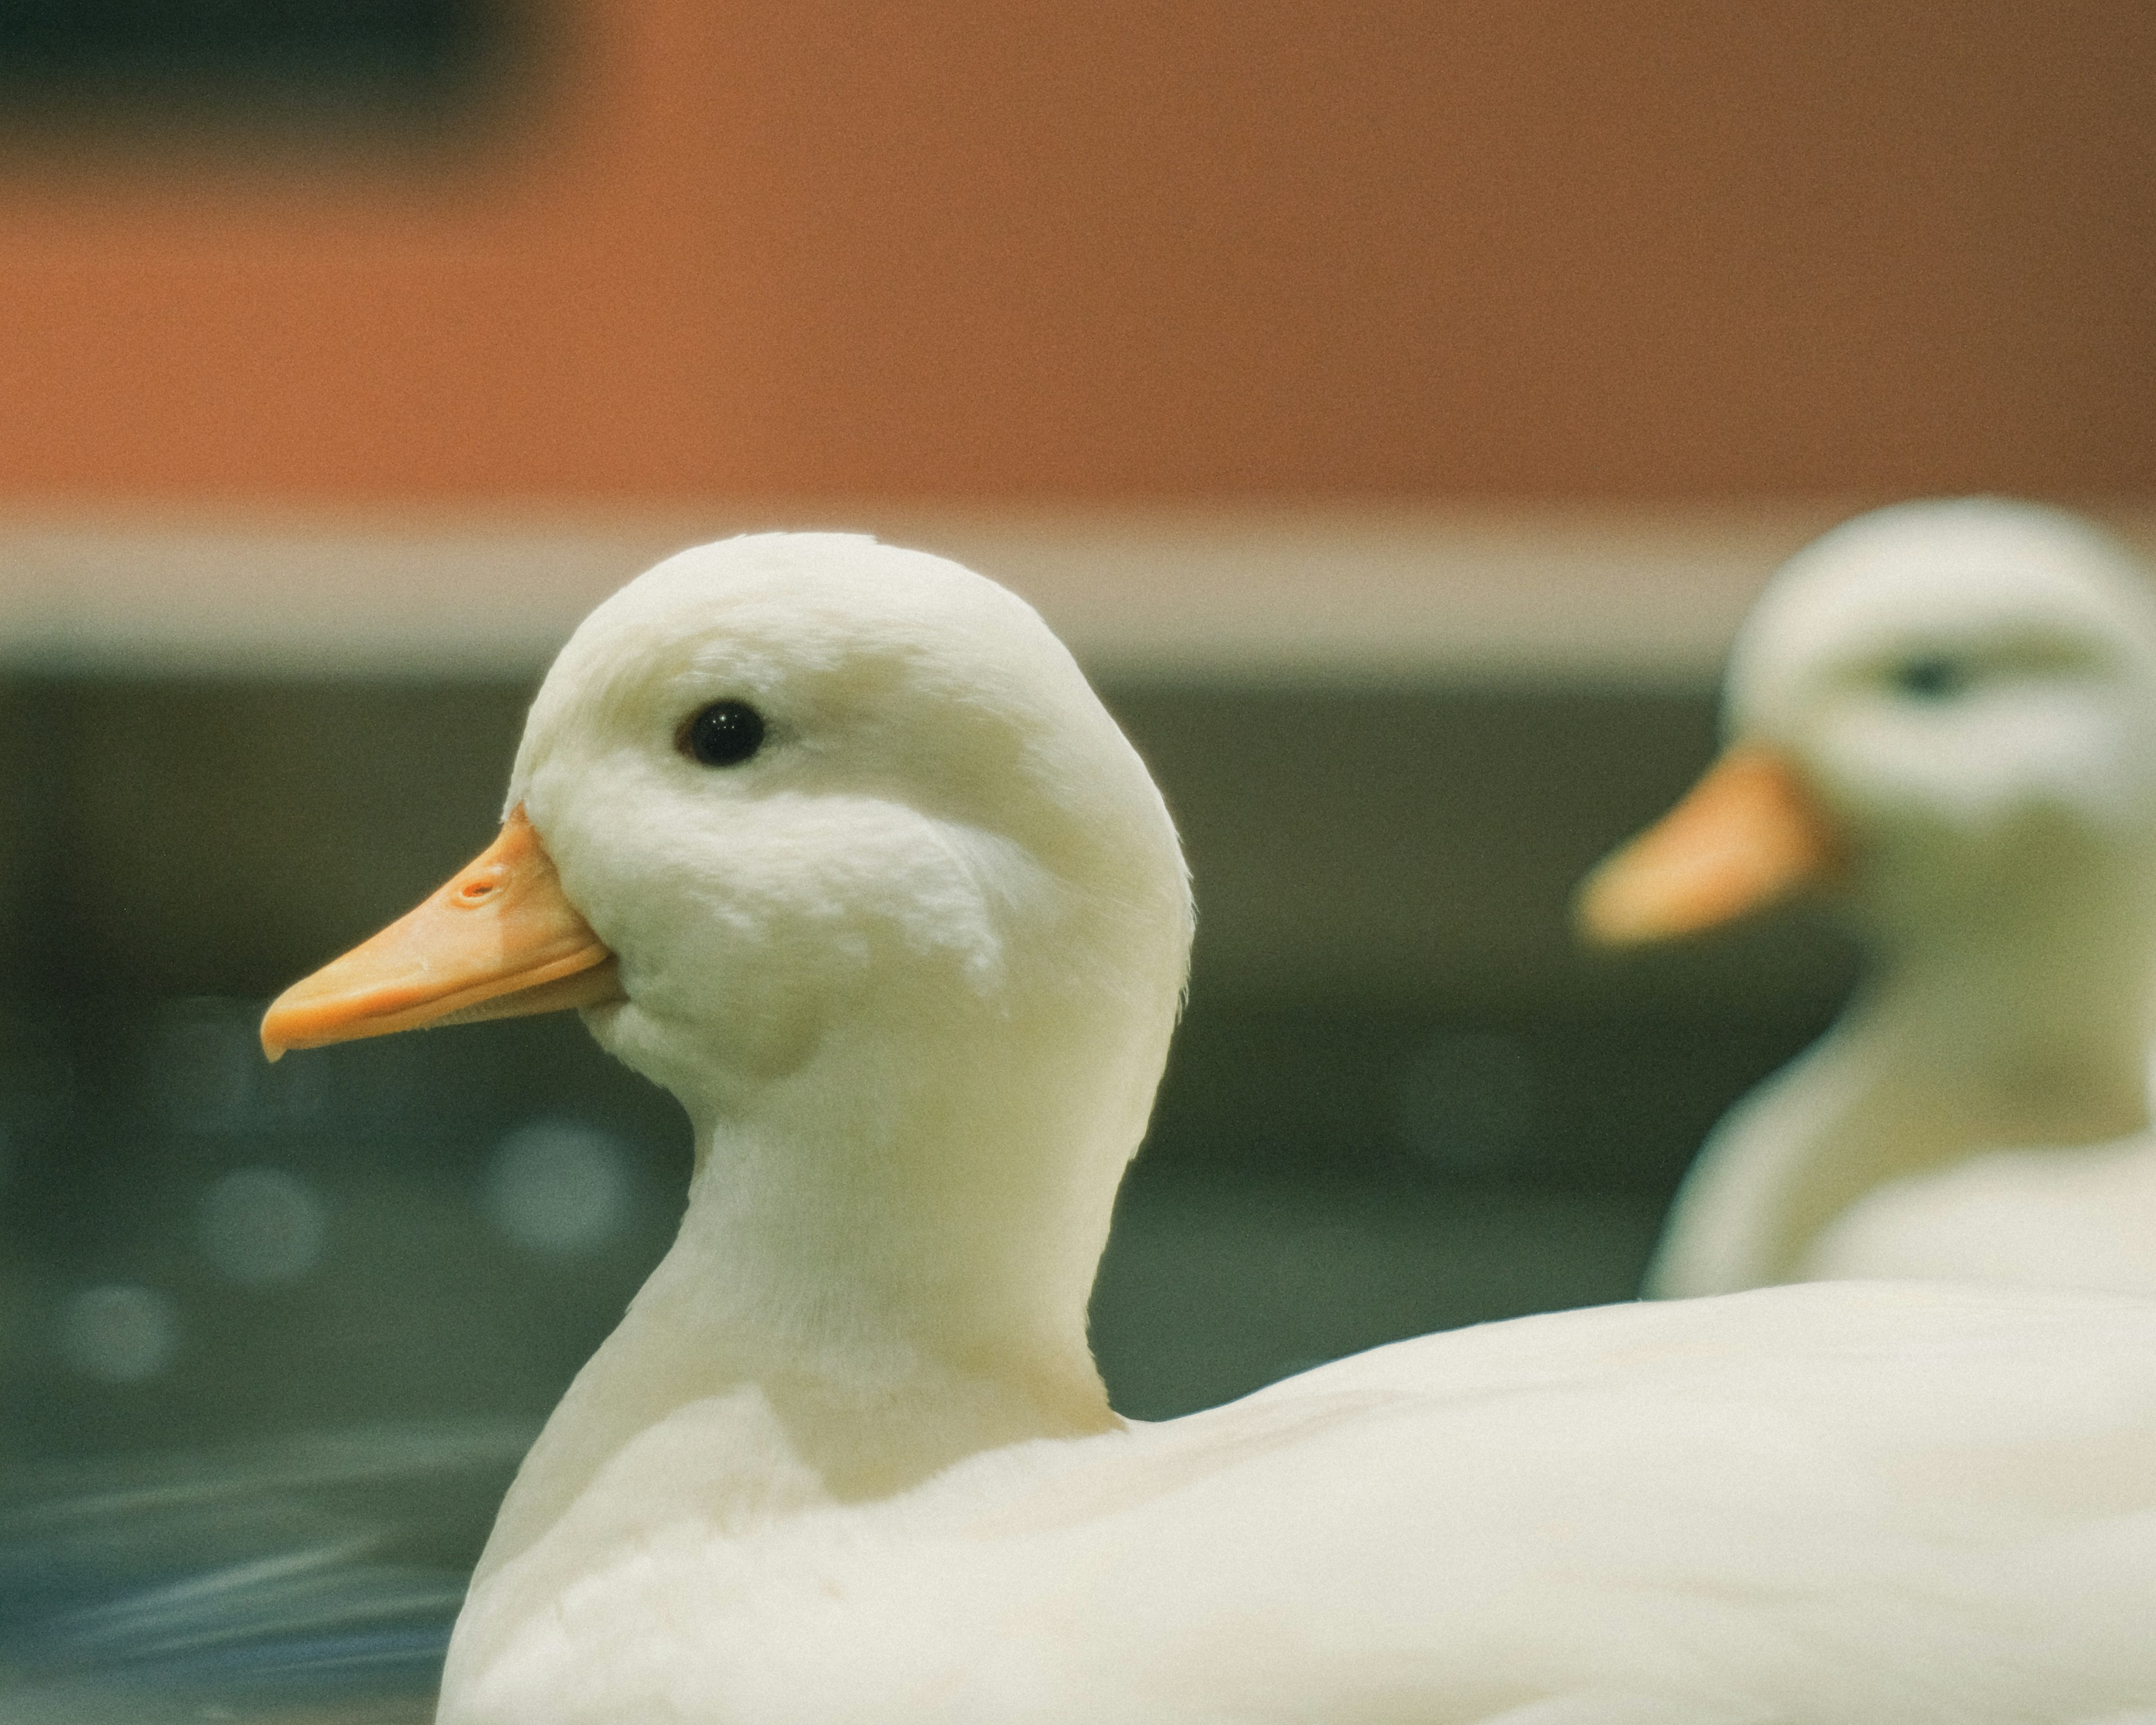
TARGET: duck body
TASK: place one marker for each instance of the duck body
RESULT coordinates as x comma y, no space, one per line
1865,1160
1845,1503
833,840
1921,1140
1943,722
2070,1216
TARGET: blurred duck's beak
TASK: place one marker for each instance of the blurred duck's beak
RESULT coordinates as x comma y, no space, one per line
1748,834
499,941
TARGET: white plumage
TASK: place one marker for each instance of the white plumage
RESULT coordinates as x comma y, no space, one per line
1965,694
912,968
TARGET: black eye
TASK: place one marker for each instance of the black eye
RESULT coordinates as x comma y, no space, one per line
1931,676
725,734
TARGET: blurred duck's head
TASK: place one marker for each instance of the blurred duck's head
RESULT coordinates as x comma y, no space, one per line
1942,715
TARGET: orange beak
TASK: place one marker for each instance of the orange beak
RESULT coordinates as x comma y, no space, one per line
1748,834
500,940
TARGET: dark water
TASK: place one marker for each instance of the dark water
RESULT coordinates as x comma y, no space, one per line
313,1577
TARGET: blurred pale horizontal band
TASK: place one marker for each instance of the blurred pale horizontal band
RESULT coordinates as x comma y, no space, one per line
1377,596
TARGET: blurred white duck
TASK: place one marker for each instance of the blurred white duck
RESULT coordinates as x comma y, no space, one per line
1943,716
833,840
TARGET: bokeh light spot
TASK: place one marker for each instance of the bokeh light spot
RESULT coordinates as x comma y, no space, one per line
262,1224
119,1334
557,1186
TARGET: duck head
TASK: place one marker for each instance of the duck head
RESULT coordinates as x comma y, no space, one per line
833,840
1942,717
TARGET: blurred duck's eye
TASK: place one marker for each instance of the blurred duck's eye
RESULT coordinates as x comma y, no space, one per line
1931,676
725,734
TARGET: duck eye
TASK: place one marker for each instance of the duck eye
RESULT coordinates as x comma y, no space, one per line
1931,676
725,734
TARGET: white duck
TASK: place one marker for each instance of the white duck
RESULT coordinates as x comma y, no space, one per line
833,840
1943,716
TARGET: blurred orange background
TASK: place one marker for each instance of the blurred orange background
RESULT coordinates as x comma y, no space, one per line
1035,251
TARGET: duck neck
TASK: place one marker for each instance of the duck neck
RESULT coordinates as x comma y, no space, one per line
883,1269
2028,1028
928,1238
2034,1030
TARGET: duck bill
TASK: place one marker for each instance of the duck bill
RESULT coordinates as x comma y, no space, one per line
499,941
1748,835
